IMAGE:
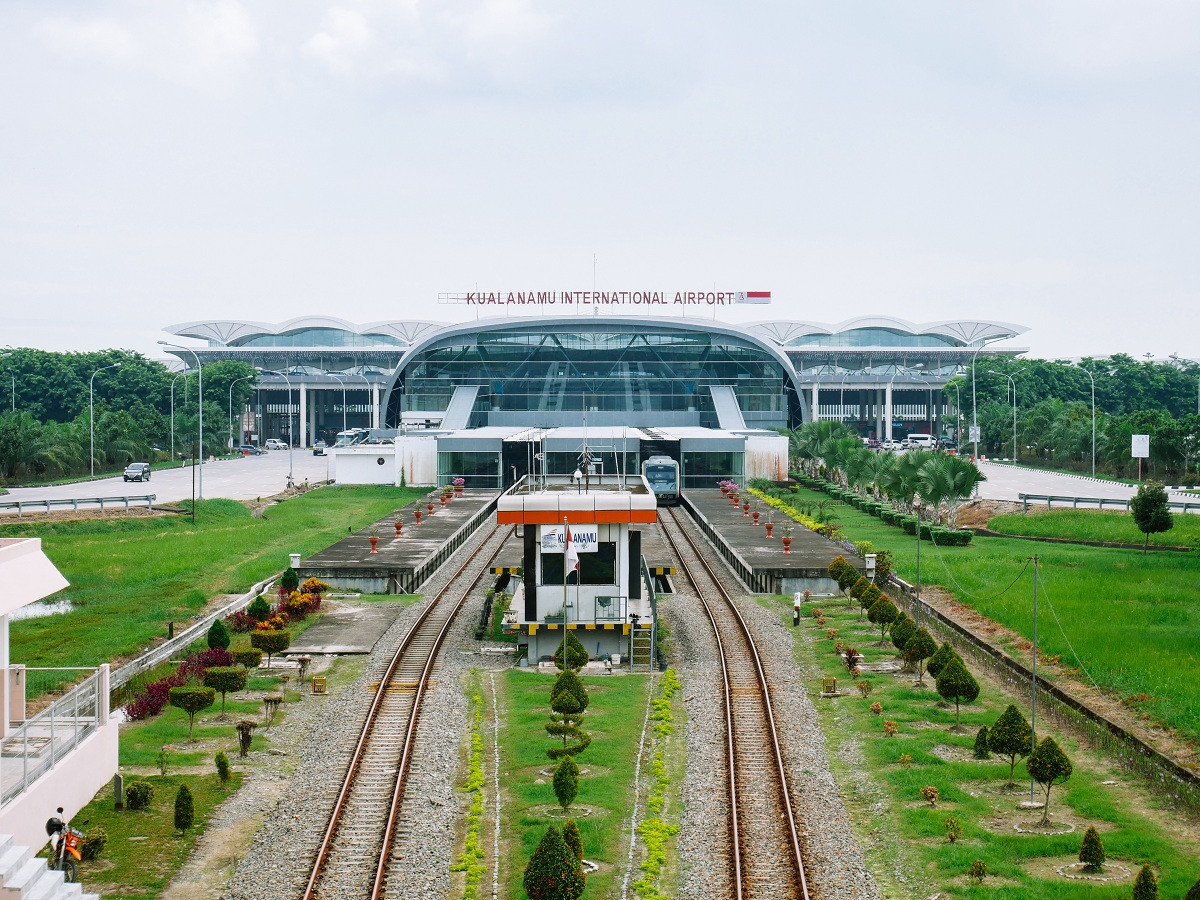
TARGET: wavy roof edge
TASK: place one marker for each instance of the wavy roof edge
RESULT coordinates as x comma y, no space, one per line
778,331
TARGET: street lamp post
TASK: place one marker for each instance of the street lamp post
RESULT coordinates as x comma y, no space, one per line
283,375
842,399
1012,382
92,417
343,384
1093,381
974,407
182,375
231,384
200,408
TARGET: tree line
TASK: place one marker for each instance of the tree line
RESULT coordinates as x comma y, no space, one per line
44,411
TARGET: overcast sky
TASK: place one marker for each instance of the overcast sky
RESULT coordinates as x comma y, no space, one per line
1028,162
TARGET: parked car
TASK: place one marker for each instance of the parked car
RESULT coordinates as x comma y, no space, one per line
319,448
252,449
137,472
891,445
276,444
920,441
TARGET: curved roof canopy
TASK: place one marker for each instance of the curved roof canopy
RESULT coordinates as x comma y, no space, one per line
238,332
883,331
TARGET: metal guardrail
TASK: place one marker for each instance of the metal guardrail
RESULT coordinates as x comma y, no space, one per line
39,743
1099,502
45,505
1178,783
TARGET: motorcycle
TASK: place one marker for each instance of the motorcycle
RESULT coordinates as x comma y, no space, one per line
66,855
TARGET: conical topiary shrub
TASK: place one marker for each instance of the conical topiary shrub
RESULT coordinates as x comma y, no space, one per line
957,684
1091,851
1048,766
1145,885
185,810
944,654
553,872
577,655
903,629
1010,737
218,636
981,750
573,839
919,648
568,700
566,781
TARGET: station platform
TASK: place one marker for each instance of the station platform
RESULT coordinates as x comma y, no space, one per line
758,560
402,564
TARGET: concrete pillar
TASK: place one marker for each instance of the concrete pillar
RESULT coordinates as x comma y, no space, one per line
878,396
313,417
816,402
887,412
374,406
5,694
302,419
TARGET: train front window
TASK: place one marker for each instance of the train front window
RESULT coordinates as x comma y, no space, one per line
660,473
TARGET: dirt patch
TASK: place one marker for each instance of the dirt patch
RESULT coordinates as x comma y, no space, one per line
977,513
70,515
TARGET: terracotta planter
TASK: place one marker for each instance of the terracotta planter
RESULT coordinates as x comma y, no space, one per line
733,497
443,502
458,490
746,509
399,527
374,544
787,545
725,491
429,506
770,525
754,515
417,515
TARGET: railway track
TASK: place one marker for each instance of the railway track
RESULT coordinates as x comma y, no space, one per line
357,847
765,858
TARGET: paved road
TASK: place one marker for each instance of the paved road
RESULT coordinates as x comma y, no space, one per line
237,479
1005,482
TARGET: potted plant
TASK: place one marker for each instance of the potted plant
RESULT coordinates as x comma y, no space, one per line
429,503
746,509
399,526
724,486
374,538
754,515
459,483
787,538
770,524
417,514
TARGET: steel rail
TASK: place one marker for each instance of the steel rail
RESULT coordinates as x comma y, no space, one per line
777,752
310,890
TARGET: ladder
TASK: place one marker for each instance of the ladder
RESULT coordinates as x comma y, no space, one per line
641,650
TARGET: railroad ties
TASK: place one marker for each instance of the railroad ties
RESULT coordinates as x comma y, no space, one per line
765,858
365,823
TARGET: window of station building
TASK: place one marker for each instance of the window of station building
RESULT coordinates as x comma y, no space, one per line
560,463
319,337
702,469
873,337
478,469
594,568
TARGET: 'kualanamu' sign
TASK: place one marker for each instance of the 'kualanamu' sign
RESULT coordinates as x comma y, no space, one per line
585,538
606,298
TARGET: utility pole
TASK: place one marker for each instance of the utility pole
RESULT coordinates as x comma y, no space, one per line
1033,683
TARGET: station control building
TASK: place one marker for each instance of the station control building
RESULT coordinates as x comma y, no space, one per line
608,601
492,400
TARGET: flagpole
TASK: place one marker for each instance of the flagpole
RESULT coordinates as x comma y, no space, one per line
566,549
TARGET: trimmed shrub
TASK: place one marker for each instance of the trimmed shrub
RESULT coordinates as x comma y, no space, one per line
289,580
259,609
954,829
919,648
902,630
939,659
192,700
270,641
577,655
573,839
226,680
566,781
245,732
138,794
1091,851
553,872
978,871
93,843
1048,766
314,586
859,587
218,635
1145,885
1010,738
568,701
222,762
883,613
239,622
185,810
931,794
981,751
250,657
957,684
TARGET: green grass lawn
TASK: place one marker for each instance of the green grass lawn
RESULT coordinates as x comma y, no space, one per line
614,720
1097,525
144,849
129,577
902,833
1133,618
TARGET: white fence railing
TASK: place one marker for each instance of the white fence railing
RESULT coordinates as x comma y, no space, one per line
39,743
40,505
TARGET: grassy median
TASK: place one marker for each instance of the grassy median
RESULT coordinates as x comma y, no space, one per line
130,577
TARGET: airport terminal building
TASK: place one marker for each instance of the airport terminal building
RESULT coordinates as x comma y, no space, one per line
491,400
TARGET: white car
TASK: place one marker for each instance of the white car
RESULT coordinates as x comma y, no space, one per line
890,445
276,444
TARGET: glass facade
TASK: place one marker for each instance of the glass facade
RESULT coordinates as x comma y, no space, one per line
477,468
703,469
873,337
551,376
319,337
594,568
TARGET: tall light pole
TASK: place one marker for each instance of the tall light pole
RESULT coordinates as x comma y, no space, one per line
92,417
231,384
974,408
1012,382
291,469
343,384
1093,381
200,407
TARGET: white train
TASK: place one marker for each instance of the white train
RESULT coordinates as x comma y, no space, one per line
663,474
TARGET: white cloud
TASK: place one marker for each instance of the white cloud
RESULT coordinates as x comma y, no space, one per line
97,40
495,21
344,36
221,31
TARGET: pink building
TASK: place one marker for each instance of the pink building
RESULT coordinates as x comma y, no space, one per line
60,755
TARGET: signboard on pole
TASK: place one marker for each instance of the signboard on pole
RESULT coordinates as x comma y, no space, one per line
1141,446
553,538
974,434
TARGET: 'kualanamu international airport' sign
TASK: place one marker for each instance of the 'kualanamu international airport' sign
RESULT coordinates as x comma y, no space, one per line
606,298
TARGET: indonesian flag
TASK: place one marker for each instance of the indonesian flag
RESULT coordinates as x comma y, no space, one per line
752,297
572,555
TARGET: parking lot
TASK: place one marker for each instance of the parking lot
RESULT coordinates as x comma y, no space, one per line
243,478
